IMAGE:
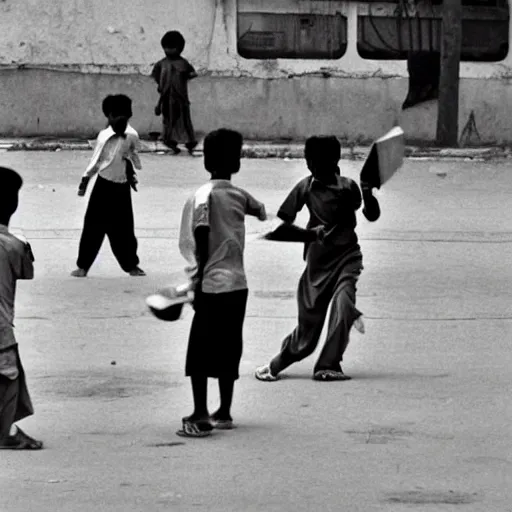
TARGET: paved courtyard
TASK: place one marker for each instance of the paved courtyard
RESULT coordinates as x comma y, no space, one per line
423,425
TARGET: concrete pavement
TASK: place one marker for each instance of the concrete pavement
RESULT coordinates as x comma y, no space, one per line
261,149
423,425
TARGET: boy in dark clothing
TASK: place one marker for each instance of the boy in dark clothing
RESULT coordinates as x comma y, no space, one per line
172,74
333,264
110,210
212,240
16,262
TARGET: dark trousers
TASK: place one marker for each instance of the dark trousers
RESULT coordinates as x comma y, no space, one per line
338,289
216,335
109,213
177,124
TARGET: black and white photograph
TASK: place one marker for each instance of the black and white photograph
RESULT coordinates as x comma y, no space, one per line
255,255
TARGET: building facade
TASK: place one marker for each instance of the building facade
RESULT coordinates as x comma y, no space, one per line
273,69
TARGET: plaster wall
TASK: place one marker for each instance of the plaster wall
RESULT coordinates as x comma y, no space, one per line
60,58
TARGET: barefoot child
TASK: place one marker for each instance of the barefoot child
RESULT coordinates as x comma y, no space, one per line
110,210
172,74
212,239
333,264
16,262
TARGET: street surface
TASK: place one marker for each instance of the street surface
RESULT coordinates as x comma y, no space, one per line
424,425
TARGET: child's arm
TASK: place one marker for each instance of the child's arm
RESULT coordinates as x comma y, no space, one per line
191,72
156,72
24,264
255,208
92,168
201,235
133,154
355,195
371,208
294,203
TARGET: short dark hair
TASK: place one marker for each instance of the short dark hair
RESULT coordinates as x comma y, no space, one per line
117,105
222,150
10,185
173,39
323,150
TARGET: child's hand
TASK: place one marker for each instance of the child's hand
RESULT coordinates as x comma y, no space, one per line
263,214
83,186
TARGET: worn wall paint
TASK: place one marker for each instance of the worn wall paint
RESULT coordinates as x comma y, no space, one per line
101,32
124,37
352,108
73,53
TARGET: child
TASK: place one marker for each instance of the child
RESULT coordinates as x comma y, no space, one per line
172,74
110,211
16,262
333,264
212,239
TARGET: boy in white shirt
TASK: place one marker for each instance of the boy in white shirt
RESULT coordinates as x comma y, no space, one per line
110,211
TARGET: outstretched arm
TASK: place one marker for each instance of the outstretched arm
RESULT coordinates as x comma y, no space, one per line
293,203
255,208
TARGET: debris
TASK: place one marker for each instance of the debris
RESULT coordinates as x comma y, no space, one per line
113,363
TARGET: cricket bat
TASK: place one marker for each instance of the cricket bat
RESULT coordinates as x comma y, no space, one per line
385,158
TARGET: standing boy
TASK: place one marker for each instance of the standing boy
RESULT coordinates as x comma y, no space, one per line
110,210
212,239
172,74
16,262
333,265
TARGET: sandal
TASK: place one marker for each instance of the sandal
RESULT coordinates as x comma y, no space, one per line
21,441
263,373
195,428
222,424
330,375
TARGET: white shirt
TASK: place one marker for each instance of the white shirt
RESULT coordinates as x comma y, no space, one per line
110,155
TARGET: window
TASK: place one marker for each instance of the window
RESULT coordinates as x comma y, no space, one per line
394,32
263,35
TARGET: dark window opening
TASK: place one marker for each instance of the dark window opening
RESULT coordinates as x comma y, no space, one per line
485,33
291,36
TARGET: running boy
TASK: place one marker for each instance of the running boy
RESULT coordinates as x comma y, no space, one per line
110,211
212,239
172,74
333,265
16,262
